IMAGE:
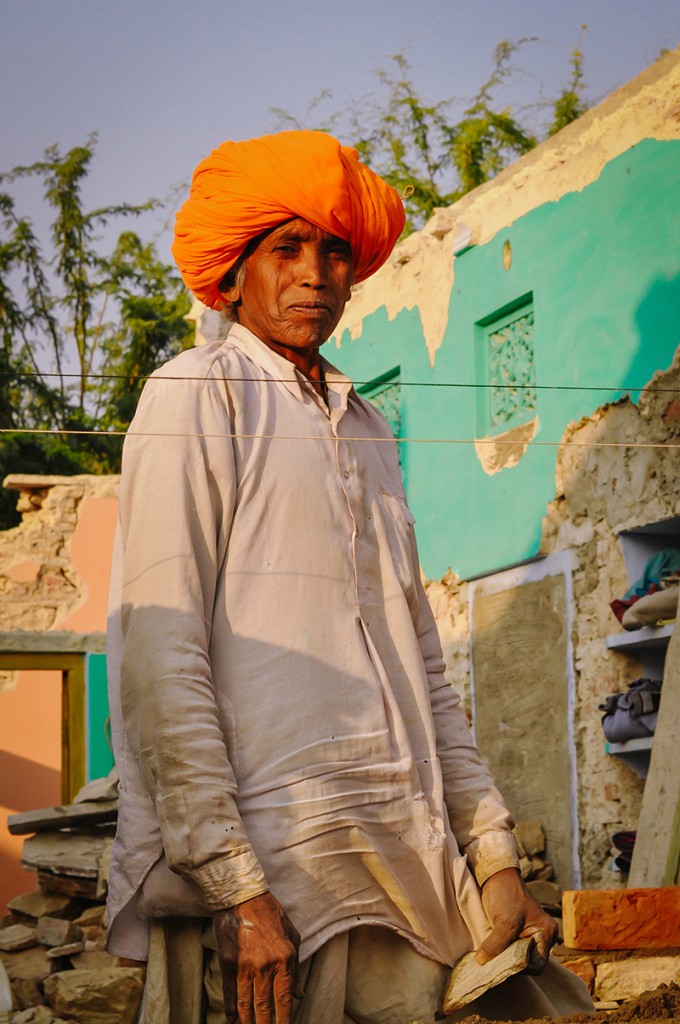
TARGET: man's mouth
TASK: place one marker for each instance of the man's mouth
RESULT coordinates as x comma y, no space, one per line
310,308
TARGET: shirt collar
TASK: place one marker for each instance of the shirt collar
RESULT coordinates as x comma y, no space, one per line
281,369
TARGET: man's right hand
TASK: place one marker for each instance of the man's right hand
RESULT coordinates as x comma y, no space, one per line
258,951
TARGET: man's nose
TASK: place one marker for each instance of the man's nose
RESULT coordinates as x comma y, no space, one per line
314,267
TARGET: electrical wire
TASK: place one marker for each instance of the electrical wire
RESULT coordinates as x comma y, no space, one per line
307,437
131,378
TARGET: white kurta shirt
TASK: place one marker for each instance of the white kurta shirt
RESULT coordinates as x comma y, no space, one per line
280,714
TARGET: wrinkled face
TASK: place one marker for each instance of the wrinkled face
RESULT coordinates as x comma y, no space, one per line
296,284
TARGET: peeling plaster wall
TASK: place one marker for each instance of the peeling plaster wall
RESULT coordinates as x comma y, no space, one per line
580,240
629,476
420,273
598,495
40,587
54,575
587,225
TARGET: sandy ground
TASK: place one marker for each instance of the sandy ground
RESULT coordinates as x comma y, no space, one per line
663,1004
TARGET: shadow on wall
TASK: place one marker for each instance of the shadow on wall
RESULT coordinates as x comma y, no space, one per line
24,786
658,323
36,781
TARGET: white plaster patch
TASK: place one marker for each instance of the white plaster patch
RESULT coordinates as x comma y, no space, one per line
504,451
418,275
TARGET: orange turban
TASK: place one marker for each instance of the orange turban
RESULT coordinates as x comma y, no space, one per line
245,188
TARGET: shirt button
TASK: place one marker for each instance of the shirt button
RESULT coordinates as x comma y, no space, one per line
346,475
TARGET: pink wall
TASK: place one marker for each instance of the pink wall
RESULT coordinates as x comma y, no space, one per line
30,714
30,766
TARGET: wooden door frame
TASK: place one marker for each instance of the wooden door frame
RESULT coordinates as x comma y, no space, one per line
73,699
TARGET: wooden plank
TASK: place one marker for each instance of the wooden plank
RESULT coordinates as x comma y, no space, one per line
40,660
51,818
639,639
31,642
657,847
73,729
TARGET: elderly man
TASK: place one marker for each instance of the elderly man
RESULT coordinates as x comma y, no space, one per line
294,766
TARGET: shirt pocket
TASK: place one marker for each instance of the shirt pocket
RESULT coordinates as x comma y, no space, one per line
399,522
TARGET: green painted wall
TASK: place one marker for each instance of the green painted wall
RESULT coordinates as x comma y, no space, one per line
603,266
98,746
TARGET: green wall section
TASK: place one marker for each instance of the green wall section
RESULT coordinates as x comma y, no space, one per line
98,746
603,267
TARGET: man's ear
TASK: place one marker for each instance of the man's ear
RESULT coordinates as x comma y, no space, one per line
231,294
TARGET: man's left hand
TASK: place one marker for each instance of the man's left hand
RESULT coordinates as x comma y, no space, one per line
514,914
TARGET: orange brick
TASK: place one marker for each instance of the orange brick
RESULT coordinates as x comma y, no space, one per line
584,968
621,918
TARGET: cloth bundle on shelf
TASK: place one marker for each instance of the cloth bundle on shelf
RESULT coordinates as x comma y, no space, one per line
661,576
633,714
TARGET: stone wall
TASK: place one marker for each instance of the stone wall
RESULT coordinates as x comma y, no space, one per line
617,470
40,586
54,575
601,490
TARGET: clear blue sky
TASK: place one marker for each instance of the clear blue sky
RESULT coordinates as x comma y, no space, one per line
163,81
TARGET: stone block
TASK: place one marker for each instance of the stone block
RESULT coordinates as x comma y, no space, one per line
545,873
92,959
539,868
622,918
584,968
5,991
624,979
69,857
87,888
96,996
17,936
94,915
547,893
94,938
26,970
57,931
531,836
39,904
66,950
34,1015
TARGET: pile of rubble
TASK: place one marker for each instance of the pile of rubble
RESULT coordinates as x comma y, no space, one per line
536,869
54,968
52,942
621,943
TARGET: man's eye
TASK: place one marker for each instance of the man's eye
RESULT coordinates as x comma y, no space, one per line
285,247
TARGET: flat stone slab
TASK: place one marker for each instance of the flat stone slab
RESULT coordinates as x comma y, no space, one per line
469,980
96,996
624,979
16,937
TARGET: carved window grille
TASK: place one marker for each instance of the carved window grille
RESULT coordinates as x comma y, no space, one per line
508,370
385,394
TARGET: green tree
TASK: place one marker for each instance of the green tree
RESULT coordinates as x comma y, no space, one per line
441,150
570,105
78,329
